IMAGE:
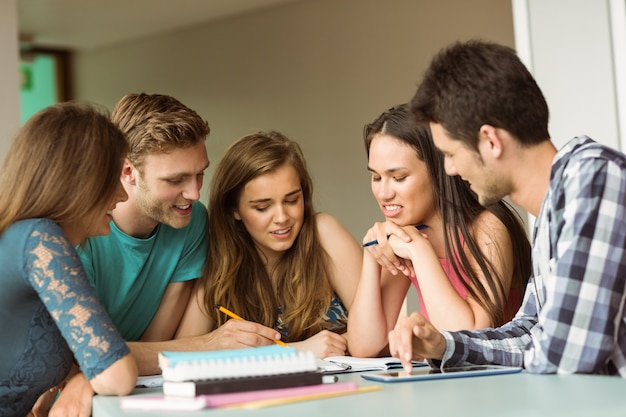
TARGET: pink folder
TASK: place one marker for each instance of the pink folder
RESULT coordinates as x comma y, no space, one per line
161,402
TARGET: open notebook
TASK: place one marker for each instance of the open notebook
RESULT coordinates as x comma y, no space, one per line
340,364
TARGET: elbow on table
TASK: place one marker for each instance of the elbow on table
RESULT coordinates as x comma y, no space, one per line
118,379
363,350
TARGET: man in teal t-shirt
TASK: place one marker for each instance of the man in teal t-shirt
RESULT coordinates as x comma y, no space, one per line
144,268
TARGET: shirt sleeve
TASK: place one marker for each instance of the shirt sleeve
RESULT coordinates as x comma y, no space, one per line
573,309
56,274
584,286
502,346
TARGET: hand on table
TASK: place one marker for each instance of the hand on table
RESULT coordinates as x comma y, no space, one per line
415,339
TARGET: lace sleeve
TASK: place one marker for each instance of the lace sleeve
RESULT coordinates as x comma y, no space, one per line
56,274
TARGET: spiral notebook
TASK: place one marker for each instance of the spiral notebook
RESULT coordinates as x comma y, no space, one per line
235,363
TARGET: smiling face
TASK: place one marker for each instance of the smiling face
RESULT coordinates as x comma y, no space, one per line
271,207
489,186
170,182
400,181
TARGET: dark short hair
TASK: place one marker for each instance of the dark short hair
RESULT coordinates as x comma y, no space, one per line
473,83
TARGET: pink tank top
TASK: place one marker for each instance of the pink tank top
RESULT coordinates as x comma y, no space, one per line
514,298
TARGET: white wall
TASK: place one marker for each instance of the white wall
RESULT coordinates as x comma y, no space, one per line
576,50
9,74
320,69
316,70
573,48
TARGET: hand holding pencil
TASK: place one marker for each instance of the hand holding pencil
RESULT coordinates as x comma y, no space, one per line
237,317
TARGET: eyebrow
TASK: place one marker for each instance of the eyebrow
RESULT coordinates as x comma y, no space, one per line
265,200
390,170
186,174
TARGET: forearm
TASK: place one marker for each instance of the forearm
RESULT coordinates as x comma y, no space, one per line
234,334
447,310
445,307
75,398
502,346
367,320
119,378
146,353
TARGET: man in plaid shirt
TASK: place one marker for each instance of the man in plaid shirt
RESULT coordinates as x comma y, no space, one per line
489,118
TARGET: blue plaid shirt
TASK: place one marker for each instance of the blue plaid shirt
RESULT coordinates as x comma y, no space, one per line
572,319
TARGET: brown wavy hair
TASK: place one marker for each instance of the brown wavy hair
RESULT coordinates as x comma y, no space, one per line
157,123
64,162
235,274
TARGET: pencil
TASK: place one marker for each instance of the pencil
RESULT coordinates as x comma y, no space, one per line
375,242
254,405
228,312
236,317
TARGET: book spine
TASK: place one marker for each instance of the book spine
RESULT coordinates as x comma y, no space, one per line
236,366
220,386
169,358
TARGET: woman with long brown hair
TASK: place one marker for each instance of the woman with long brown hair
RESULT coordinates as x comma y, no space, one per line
272,258
469,263
59,182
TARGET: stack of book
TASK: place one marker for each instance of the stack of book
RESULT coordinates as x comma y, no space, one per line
190,374
243,378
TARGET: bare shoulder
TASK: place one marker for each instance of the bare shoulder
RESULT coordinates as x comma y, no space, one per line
488,228
332,233
327,223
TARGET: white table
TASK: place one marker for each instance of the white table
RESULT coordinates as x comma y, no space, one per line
521,394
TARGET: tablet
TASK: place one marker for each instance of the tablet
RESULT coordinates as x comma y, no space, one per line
428,373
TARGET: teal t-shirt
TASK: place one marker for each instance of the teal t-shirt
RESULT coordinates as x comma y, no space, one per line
130,275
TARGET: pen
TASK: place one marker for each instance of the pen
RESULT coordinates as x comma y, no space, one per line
343,366
236,317
375,242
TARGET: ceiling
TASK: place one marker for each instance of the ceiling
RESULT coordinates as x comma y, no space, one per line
90,24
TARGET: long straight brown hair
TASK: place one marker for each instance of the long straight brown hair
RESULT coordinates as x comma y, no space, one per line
459,208
64,162
235,274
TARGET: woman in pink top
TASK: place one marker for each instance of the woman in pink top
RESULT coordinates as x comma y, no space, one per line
469,263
